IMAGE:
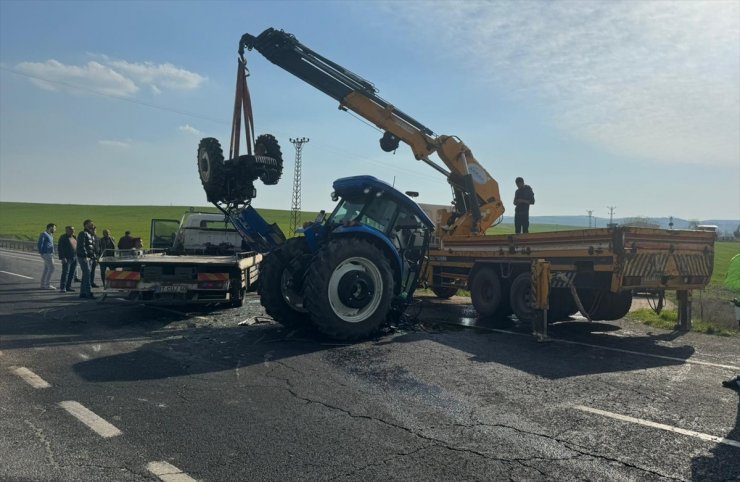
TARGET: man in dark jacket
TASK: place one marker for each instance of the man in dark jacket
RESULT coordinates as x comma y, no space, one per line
126,242
68,257
86,253
523,198
107,248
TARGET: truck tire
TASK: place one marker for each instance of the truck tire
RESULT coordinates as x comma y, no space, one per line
595,302
267,145
281,303
211,169
236,295
349,289
561,305
485,291
618,305
521,297
444,292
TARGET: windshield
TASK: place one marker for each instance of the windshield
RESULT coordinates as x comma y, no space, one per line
377,212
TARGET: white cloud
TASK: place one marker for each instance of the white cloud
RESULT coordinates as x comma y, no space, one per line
189,129
54,75
110,77
654,80
159,76
116,144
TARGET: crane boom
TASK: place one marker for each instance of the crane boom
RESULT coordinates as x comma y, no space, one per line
477,203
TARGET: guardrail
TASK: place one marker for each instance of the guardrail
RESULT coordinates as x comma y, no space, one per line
17,244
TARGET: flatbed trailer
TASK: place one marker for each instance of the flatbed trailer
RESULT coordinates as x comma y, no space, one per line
155,277
596,268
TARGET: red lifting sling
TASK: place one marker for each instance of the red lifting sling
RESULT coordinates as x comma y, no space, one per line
242,101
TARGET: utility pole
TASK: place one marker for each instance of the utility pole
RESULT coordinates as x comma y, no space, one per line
590,214
611,215
295,208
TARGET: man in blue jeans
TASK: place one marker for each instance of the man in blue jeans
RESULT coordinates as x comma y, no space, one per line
68,257
46,250
86,253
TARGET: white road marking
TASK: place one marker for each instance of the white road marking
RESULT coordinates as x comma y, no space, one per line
30,377
89,418
28,257
16,274
620,350
168,472
669,428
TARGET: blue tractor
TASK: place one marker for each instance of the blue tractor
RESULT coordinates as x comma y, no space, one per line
353,271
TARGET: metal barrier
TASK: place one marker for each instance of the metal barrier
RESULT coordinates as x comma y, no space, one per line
18,244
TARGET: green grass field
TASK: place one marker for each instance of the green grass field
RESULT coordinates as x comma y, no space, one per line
25,220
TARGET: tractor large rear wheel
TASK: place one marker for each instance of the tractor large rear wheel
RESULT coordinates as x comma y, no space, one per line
211,168
349,289
280,283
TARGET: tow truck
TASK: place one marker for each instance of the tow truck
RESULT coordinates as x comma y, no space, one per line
592,270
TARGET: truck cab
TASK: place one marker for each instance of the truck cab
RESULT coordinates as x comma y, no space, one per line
196,233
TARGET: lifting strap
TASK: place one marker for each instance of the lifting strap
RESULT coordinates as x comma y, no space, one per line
242,102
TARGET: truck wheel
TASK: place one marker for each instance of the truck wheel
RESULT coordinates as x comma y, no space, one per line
267,145
211,168
485,291
560,304
279,273
595,302
521,297
618,305
349,289
236,293
444,292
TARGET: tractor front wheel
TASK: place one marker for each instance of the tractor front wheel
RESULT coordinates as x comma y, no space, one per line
349,289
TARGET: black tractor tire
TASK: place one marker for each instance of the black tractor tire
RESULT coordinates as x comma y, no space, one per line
268,145
349,289
618,305
211,169
280,303
444,292
521,297
485,292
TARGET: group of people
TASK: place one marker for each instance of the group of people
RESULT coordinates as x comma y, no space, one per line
81,251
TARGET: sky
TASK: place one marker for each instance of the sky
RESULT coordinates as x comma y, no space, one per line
628,104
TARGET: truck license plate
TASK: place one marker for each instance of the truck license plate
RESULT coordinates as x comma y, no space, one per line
172,289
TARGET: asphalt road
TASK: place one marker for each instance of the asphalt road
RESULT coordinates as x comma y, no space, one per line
112,391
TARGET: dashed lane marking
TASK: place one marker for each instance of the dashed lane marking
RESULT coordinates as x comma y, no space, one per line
16,274
168,472
661,426
89,418
30,377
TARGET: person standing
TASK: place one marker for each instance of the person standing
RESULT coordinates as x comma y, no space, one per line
523,198
46,250
86,253
94,262
68,257
126,242
107,248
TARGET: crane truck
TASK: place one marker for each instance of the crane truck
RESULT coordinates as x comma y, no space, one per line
336,274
